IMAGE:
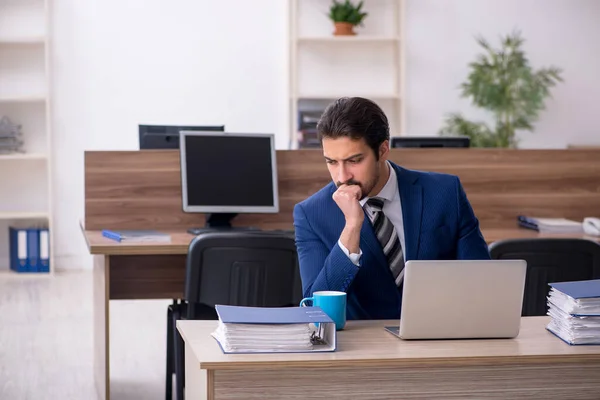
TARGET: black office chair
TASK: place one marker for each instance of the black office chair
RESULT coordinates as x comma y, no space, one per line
257,269
549,260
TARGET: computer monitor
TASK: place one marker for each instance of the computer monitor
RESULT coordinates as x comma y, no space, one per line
223,174
430,141
167,136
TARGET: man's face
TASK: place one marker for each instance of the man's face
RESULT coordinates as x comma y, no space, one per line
353,162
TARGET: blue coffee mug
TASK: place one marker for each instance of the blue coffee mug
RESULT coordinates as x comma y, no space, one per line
332,303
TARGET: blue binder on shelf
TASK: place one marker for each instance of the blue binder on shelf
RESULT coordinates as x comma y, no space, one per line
274,330
29,249
44,246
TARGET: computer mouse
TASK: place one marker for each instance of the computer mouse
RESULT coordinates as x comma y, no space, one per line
591,226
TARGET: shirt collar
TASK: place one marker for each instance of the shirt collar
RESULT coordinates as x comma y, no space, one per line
389,191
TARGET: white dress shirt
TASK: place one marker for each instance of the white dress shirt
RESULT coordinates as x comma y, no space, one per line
392,208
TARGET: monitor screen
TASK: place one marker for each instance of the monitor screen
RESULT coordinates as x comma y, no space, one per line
430,141
167,136
228,173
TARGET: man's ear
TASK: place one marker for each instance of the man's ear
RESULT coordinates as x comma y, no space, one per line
384,150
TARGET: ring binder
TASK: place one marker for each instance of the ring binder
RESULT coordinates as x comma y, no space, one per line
274,329
316,338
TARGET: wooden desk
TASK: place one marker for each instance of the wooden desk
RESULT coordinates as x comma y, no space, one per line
373,364
130,271
141,190
157,271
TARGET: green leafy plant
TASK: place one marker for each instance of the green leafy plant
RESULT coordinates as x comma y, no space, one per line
503,82
347,12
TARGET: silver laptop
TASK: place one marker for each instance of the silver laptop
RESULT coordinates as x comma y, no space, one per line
461,299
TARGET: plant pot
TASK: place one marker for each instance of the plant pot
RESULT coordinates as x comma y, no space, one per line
344,29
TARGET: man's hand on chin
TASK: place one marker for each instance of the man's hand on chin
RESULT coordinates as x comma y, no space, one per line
347,198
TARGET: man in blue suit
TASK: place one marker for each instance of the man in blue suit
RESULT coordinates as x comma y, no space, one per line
355,234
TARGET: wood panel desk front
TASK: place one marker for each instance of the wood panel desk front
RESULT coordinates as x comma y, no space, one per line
370,363
141,190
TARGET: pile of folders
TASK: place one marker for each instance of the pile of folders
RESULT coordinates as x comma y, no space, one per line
574,308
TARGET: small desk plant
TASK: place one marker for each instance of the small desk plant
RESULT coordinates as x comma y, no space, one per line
345,16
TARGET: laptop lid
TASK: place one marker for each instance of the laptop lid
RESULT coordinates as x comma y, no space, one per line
462,299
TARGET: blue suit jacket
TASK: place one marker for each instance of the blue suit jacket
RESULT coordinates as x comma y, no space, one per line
438,224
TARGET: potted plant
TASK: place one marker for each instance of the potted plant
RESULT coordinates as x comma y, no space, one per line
503,82
345,16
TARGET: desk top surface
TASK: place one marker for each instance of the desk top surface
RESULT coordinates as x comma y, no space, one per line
366,343
180,240
98,244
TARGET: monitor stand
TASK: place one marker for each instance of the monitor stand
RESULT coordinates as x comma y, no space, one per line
220,222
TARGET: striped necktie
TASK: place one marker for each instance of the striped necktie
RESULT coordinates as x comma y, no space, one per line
388,237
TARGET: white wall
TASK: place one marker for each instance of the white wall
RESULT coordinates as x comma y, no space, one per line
440,43
120,63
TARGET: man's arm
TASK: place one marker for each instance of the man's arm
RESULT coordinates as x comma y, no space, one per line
471,244
321,268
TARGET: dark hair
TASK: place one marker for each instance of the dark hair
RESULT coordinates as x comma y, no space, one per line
357,118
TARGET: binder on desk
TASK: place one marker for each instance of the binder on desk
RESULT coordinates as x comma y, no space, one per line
274,330
574,308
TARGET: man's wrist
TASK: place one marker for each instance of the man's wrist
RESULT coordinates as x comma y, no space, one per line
354,225
350,237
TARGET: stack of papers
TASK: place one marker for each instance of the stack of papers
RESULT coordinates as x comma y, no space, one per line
575,311
550,225
247,338
272,330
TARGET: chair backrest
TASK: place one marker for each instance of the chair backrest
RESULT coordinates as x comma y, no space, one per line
549,260
257,269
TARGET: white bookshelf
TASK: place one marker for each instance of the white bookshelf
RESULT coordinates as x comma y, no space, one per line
21,215
33,40
374,39
24,156
19,99
323,67
25,177
327,95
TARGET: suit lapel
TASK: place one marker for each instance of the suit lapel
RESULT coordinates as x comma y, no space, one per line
411,198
